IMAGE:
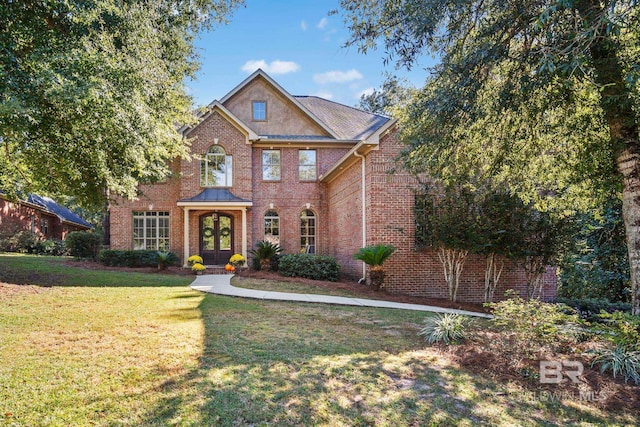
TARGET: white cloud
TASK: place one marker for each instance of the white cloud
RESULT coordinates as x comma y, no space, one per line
337,76
325,95
368,91
303,25
274,67
322,23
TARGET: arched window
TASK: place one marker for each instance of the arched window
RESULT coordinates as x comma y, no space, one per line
272,227
308,232
216,168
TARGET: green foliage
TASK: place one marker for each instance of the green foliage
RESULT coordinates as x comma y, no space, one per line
28,242
265,253
448,328
534,324
620,361
22,241
316,267
591,308
165,259
375,255
394,94
447,217
542,97
103,82
622,329
83,244
119,258
596,265
51,247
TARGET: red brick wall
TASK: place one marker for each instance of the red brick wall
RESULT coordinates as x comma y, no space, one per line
390,219
345,218
16,217
290,196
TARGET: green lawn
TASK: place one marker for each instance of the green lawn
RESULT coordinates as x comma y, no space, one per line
105,348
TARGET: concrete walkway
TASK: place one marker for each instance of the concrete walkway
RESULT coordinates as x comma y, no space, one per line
220,284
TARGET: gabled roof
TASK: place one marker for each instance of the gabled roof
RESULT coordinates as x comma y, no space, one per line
259,73
217,106
49,205
346,122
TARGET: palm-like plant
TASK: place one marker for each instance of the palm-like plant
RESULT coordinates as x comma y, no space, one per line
374,256
264,252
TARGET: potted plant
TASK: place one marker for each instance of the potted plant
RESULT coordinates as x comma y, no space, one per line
374,257
198,268
237,260
194,259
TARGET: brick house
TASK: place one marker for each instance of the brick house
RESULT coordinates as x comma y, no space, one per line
40,215
301,171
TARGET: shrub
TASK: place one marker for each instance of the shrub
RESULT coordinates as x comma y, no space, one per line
118,258
590,308
51,247
620,361
533,324
447,328
264,252
316,267
83,244
22,241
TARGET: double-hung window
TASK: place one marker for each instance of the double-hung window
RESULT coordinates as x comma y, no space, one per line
271,168
308,232
307,165
272,227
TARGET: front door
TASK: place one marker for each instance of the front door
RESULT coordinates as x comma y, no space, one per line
216,238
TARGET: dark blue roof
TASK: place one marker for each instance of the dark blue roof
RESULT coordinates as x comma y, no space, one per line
215,195
60,211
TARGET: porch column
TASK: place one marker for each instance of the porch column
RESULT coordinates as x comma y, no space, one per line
244,233
185,251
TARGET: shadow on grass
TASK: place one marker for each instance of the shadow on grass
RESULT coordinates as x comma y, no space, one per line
61,271
269,363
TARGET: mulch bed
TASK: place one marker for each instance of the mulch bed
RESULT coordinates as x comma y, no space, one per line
349,285
366,291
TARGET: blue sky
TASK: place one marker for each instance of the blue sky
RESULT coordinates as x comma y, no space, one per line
299,45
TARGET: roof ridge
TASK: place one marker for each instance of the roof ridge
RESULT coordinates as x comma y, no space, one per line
343,105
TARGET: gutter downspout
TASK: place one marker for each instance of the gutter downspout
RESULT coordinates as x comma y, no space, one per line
364,213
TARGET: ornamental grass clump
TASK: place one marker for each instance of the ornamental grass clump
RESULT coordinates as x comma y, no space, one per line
448,328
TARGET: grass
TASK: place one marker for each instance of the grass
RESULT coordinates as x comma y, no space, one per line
113,349
286,286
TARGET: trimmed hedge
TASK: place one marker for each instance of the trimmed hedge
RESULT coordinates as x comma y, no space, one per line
590,308
83,244
117,258
316,267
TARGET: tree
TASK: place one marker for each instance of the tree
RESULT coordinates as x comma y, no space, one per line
527,60
596,266
447,221
501,234
91,92
393,95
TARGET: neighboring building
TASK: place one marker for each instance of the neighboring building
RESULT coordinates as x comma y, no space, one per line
40,215
301,171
